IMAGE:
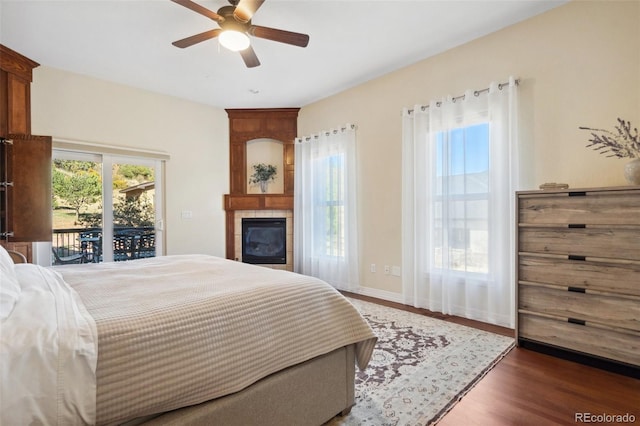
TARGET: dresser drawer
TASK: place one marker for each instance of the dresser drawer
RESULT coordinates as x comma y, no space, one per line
609,344
595,207
608,310
619,243
621,278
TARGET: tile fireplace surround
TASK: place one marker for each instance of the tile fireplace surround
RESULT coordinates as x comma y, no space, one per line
257,205
288,214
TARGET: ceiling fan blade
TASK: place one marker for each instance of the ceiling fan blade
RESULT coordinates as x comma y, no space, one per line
190,41
282,36
199,9
249,57
246,9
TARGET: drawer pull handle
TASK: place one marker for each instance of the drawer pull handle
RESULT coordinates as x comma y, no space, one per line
577,225
576,321
577,193
577,290
576,257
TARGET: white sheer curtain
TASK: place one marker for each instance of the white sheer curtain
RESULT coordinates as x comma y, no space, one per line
325,231
460,174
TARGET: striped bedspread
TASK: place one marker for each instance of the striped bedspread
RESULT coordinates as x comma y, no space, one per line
179,330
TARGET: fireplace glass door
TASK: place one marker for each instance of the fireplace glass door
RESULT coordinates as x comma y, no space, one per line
264,240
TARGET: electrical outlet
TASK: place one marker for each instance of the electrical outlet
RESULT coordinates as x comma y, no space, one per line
373,268
395,271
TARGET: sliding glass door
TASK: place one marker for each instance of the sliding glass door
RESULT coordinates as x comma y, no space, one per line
133,209
105,208
77,206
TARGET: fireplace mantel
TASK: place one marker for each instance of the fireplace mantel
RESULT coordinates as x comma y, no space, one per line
258,202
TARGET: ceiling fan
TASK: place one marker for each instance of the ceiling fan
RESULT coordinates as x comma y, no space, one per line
235,27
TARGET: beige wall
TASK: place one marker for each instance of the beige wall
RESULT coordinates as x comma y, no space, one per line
579,65
71,106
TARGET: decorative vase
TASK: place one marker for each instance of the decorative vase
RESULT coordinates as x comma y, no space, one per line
265,184
632,171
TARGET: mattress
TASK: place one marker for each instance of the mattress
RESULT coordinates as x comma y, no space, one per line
176,331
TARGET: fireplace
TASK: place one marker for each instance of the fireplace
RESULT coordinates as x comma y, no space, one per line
264,240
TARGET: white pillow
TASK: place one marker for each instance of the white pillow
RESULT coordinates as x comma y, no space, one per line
9,285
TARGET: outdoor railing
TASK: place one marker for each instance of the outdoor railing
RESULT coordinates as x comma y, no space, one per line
66,242
84,244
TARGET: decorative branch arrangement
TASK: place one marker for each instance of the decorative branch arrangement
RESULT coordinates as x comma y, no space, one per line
263,173
622,143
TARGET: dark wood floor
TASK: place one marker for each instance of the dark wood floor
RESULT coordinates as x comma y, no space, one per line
529,388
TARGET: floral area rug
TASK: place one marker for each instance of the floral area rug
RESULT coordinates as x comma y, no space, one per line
420,367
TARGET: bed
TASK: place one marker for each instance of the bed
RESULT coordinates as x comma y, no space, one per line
175,340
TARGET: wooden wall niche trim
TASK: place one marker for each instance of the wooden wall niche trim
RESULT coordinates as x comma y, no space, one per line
258,202
245,125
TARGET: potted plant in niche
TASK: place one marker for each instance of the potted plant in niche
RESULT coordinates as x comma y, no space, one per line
262,175
624,142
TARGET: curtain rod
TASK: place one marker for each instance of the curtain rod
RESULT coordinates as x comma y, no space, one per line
326,133
475,93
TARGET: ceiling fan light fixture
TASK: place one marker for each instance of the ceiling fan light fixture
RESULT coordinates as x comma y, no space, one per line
234,40
235,27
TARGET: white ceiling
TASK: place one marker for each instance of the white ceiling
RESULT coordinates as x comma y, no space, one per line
351,41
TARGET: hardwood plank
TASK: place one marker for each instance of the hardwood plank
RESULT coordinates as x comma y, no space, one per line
529,388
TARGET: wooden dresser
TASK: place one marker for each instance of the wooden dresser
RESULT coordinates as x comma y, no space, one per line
578,275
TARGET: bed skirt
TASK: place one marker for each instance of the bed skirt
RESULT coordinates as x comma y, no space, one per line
310,393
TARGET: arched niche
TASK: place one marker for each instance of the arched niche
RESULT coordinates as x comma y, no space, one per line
270,152
249,125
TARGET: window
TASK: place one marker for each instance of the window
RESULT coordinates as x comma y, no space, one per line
330,205
460,165
460,204
325,228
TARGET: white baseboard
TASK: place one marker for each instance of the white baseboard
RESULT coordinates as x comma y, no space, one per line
380,294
